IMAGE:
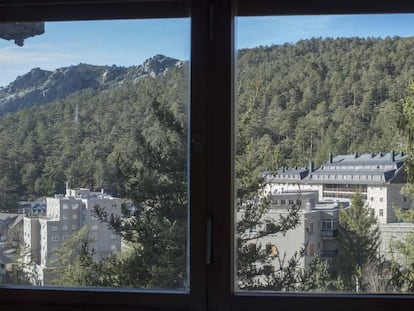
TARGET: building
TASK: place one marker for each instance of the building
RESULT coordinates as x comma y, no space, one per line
65,215
6,265
11,228
379,177
316,231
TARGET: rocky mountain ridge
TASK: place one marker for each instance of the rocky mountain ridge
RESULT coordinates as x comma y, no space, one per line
40,86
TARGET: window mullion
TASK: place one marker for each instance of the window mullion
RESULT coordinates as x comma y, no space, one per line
220,139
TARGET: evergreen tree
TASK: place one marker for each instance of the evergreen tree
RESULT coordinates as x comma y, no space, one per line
69,268
257,268
358,237
403,262
155,181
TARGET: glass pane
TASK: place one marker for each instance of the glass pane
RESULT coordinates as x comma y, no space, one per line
93,153
324,126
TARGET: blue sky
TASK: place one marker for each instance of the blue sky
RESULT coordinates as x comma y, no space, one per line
126,42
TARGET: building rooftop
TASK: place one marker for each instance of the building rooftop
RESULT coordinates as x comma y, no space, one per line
287,174
370,168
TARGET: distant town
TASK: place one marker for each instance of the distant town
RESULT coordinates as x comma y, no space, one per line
43,226
321,192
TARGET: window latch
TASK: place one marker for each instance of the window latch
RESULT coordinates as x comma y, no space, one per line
209,240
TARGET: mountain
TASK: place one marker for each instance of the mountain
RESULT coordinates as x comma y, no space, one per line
295,103
39,86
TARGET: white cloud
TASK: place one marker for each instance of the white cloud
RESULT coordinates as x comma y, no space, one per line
19,56
255,31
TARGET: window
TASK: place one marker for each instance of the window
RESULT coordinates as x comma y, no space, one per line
128,105
271,250
311,228
311,249
216,172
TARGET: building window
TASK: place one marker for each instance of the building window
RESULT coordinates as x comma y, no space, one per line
271,250
381,199
381,212
65,228
310,229
54,228
311,249
74,227
55,238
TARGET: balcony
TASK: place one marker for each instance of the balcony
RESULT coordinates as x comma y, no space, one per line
329,253
329,234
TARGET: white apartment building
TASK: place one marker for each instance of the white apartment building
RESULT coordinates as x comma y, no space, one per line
378,177
316,231
65,215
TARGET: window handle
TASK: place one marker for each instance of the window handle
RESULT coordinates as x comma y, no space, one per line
209,240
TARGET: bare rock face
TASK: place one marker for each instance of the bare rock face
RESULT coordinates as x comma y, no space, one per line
39,86
21,31
158,64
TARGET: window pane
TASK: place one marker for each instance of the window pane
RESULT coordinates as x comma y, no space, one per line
93,153
322,137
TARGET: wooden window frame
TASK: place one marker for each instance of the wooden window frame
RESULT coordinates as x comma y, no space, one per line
211,157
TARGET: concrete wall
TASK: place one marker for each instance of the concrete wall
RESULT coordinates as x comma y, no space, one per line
103,239
31,237
393,232
377,197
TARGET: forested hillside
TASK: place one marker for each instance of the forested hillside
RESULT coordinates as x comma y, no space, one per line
320,96
80,138
297,101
